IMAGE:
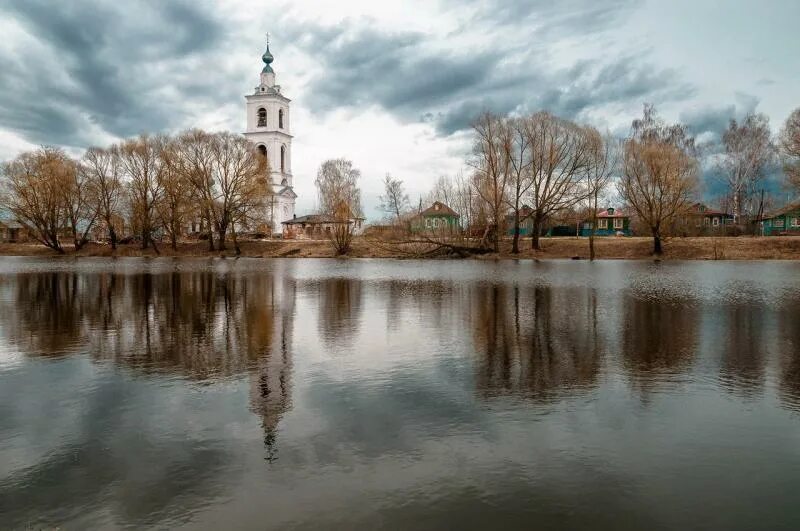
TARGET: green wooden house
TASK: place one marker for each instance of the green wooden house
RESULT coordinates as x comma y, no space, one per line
610,222
785,221
437,217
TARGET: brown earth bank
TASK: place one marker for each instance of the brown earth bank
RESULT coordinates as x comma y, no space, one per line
633,248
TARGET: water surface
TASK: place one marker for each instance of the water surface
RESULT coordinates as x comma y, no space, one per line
325,394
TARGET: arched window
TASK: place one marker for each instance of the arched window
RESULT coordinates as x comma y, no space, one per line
262,117
283,158
262,149
280,118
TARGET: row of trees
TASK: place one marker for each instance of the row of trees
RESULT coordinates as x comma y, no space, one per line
553,165
148,186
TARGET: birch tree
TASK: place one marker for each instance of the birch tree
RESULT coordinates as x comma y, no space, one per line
748,151
340,200
394,200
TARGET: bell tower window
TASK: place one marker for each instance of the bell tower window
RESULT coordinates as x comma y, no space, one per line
262,149
262,117
283,158
280,118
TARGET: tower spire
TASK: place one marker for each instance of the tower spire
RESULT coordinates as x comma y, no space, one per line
267,58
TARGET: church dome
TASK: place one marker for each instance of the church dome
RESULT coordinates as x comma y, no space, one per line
267,58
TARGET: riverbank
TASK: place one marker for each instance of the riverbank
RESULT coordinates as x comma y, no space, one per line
700,248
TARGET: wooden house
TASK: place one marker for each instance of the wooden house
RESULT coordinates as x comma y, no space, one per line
610,222
782,222
437,217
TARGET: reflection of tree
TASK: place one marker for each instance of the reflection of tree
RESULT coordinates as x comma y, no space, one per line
744,349
534,342
659,339
789,348
339,309
198,324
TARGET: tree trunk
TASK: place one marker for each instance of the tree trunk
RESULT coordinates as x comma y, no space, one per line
112,235
537,229
515,241
591,229
235,240
76,240
657,250
221,230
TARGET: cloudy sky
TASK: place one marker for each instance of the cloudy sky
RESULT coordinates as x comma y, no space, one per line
390,85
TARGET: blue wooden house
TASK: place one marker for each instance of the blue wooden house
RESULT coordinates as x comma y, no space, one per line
610,222
785,221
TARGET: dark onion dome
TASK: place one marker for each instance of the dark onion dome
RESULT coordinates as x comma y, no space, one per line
267,58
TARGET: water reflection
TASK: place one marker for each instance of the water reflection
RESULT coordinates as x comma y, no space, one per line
536,342
160,398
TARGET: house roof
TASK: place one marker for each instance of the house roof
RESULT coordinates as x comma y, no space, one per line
439,209
603,213
312,219
791,207
700,209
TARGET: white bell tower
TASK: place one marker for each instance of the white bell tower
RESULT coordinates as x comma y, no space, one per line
268,128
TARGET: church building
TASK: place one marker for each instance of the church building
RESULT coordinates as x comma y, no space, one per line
268,128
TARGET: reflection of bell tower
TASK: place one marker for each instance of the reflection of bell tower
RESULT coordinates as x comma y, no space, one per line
271,380
268,129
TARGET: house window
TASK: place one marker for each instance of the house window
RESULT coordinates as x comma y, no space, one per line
778,223
435,223
617,223
427,223
262,117
602,223
716,222
280,118
795,222
706,221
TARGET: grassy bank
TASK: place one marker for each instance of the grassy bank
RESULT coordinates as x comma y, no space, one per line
742,248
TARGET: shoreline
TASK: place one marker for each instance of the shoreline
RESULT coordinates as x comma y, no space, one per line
608,248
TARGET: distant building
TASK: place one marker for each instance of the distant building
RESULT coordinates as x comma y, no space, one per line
12,231
701,218
610,222
525,222
785,221
317,226
437,217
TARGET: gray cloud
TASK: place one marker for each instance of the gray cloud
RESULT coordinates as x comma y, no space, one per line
100,63
407,74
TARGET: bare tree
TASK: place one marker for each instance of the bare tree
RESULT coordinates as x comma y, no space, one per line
228,178
102,169
603,154
33,185
516,146
79,207
659,174
173,206
395,200
339,200
790,148
748,151
492,169
141,162
560,155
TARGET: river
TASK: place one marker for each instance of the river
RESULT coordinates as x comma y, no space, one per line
368,394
